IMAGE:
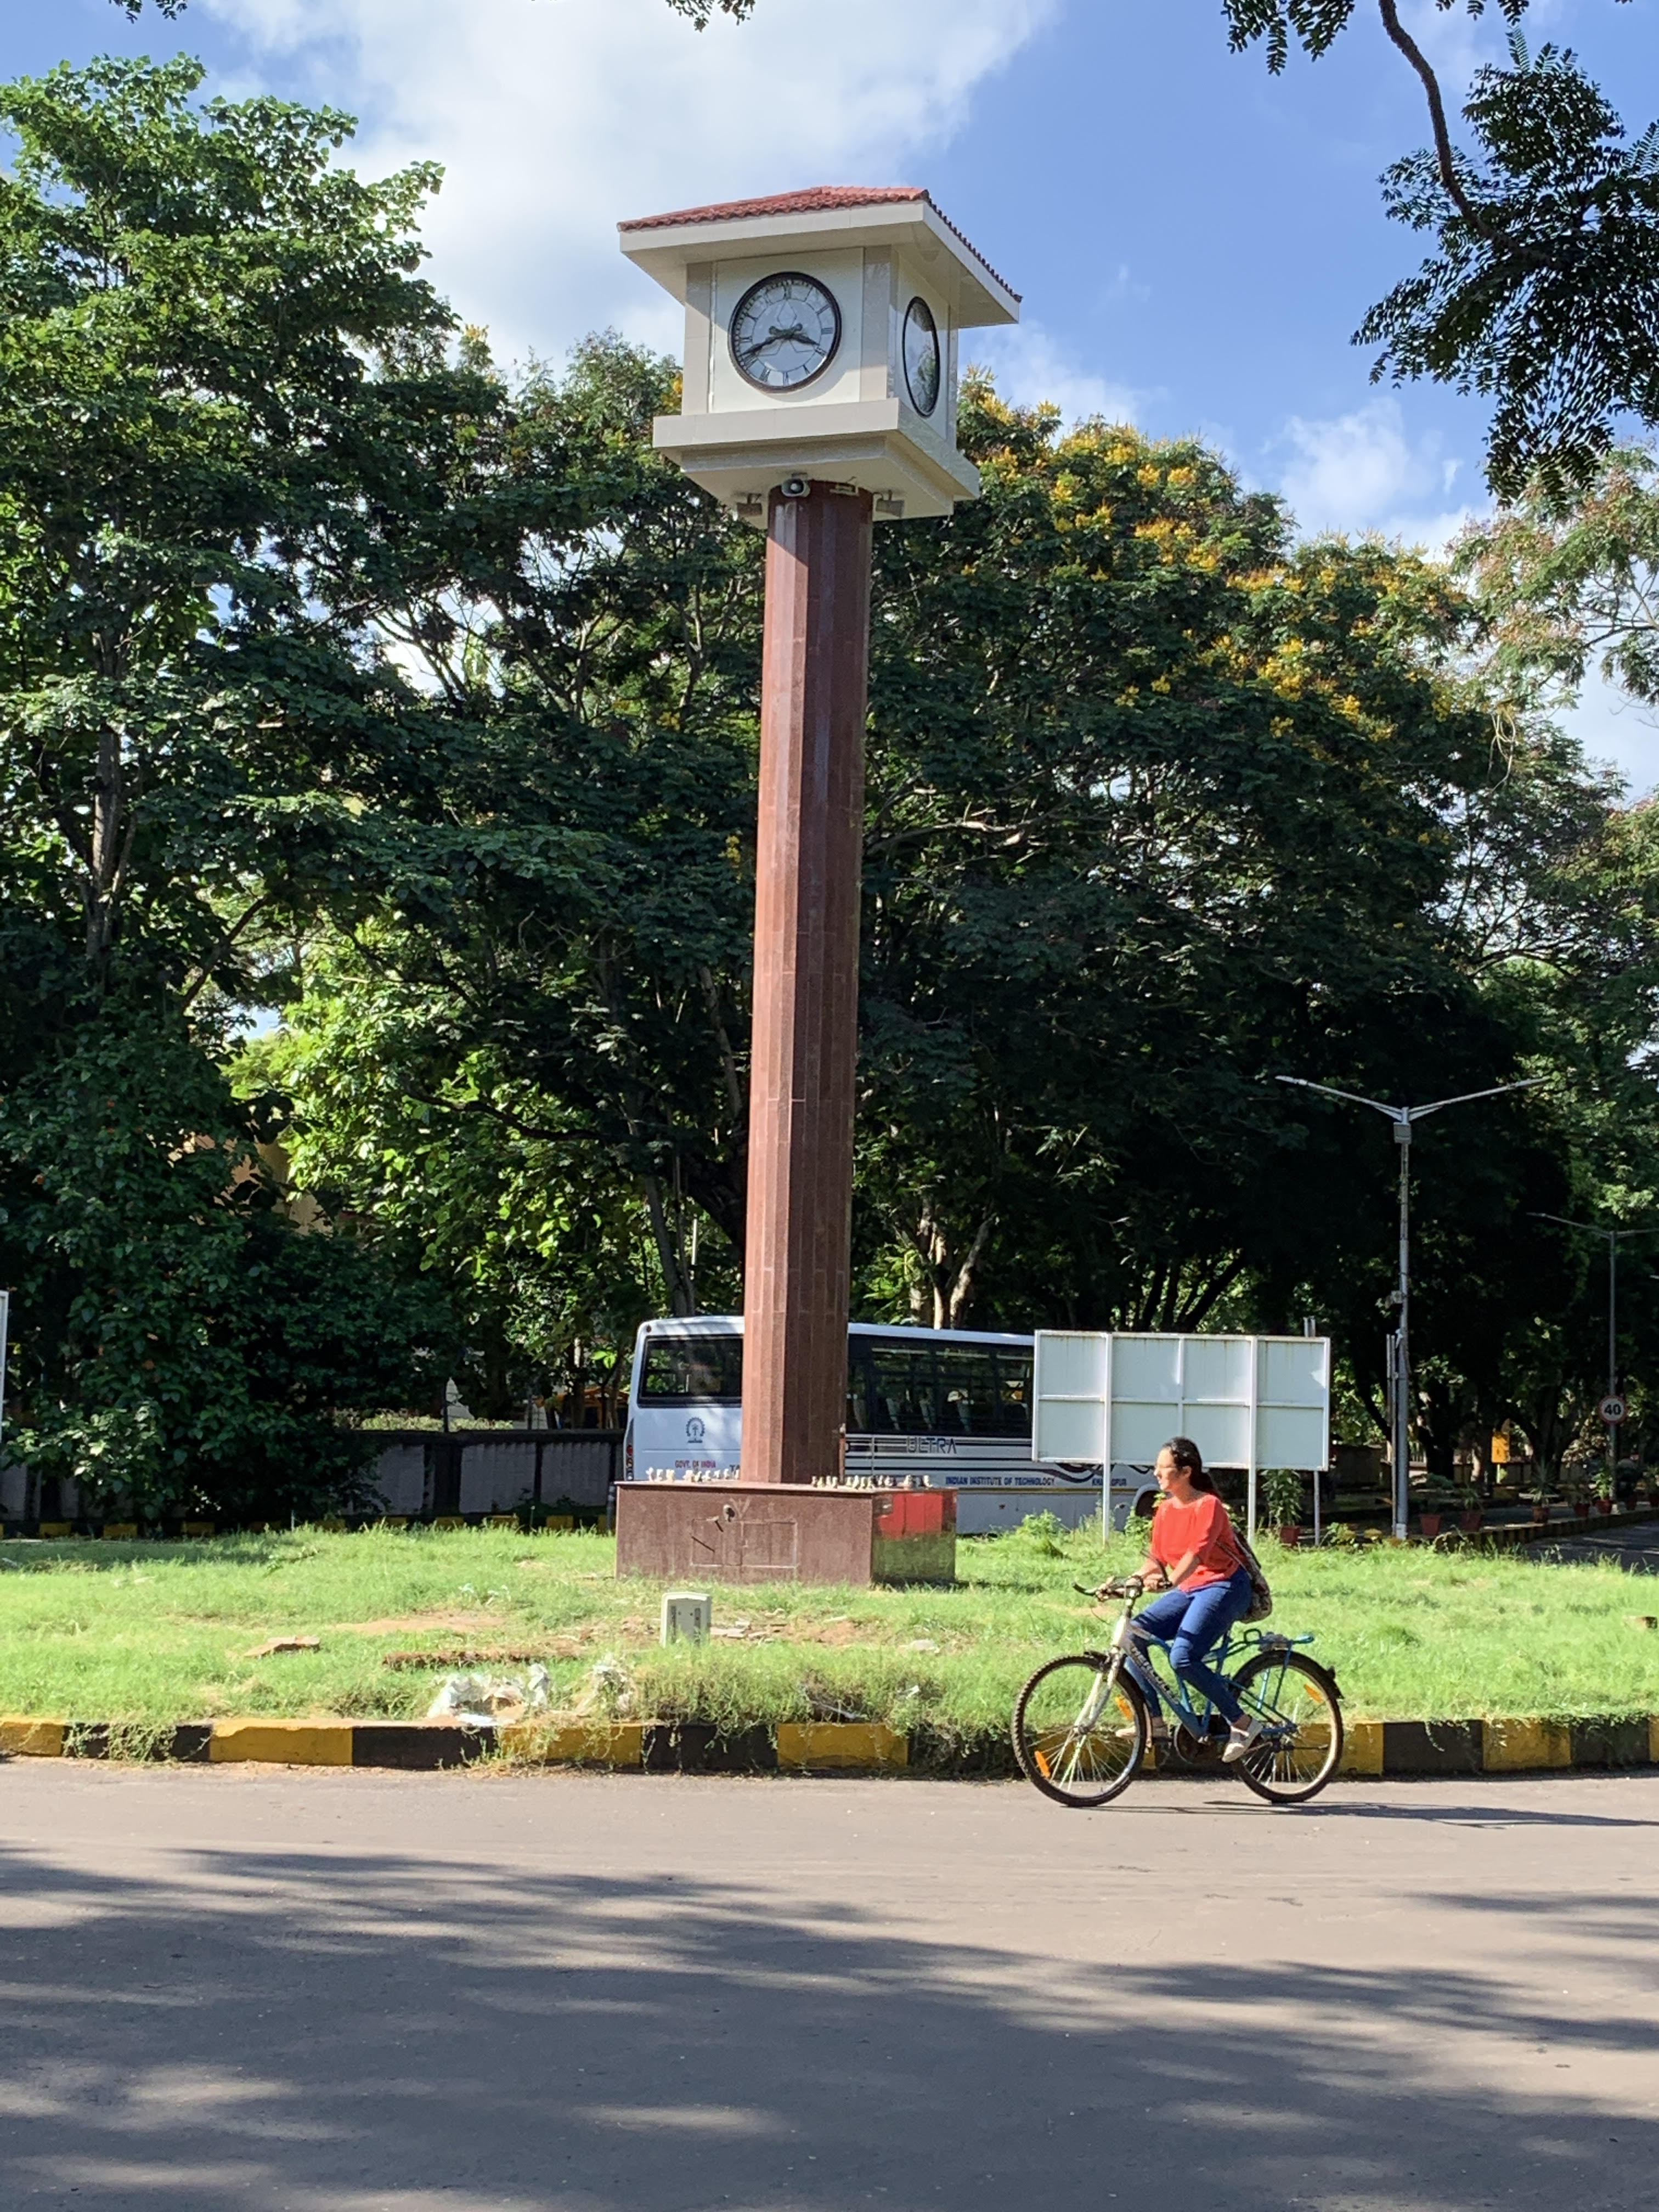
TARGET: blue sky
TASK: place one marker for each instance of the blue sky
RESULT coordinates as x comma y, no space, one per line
1195,240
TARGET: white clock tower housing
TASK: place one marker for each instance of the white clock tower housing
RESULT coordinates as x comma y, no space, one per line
821,344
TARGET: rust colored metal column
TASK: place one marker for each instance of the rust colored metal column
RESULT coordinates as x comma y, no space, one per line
814,683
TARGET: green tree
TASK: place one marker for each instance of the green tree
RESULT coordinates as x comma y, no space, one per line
1569,584
1564,582
222,397
181,1347
226,417
420,1136
1160,805
554,978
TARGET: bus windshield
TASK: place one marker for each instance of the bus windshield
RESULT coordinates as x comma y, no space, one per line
683,1370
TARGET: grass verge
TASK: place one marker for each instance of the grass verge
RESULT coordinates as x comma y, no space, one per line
146,1633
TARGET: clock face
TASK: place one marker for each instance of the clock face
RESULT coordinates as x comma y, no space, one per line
785,332
921,368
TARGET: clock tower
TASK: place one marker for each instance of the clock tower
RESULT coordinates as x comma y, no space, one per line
822,333
822,338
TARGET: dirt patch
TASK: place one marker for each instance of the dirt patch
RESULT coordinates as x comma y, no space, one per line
778,1628
417,1624
528,1646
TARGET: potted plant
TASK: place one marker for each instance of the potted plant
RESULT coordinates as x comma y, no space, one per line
1602,1487
1469,1518
1428,1520
1284,1492
1541,1507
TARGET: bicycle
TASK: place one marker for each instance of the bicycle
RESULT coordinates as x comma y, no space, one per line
1082,1724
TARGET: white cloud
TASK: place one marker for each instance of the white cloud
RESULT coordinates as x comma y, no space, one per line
555,118
1612,726
1455,43
1030,364
1361,472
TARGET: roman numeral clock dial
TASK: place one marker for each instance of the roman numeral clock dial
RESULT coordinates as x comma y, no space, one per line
785,332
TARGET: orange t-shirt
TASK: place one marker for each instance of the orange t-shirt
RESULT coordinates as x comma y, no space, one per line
1202,1527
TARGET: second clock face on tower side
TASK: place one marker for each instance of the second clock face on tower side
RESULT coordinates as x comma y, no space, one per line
922,360
785,332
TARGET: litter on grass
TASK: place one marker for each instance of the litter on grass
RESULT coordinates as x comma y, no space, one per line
610,1690
287,1643
490,1697
824,1702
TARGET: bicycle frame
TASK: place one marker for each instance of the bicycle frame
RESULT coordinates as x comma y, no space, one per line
1170,1696
1129,1656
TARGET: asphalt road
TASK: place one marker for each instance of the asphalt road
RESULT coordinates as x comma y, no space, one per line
1635,1549
339,1992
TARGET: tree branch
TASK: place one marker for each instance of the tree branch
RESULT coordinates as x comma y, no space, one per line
190,991
1403,39
734,1090
963,1283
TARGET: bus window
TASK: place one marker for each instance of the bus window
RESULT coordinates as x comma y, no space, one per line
968,1391
681,1369
906,1391
861,1415
1014,1393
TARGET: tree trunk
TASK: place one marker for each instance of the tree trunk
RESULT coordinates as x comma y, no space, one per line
964,1282
111,837
670,1257
1549,1435
1436,1422
942,1288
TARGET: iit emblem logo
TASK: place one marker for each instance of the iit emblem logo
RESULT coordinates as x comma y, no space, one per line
694,1431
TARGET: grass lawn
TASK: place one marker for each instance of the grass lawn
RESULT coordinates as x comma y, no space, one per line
150,1632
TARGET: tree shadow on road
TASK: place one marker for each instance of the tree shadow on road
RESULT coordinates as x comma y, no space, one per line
332,2033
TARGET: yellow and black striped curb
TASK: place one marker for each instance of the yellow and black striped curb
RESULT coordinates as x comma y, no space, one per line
1376,1749
653,1746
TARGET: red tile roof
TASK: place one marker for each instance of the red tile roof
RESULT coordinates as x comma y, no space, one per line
816,199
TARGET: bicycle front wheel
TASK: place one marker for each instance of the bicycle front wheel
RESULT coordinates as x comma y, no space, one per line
1079,1736
1300,1746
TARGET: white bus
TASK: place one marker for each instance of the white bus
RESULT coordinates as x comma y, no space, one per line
952,1406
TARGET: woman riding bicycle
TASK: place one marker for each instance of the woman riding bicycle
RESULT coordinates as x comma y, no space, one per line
1194,1551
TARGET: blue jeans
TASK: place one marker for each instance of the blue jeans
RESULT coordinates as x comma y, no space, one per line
1191,1622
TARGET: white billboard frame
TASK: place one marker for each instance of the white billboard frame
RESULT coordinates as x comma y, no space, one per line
1116,1395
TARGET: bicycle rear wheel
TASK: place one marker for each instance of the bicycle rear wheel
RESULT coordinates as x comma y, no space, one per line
1300,1746
1077,1736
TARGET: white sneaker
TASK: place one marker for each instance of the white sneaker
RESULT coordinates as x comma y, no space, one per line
1239,1737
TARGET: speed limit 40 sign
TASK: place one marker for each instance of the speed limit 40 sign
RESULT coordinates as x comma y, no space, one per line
1612,1410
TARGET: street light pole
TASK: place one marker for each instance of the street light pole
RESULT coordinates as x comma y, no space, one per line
1400,1381
1615,1237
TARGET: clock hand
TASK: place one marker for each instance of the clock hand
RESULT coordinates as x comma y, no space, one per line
773,337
